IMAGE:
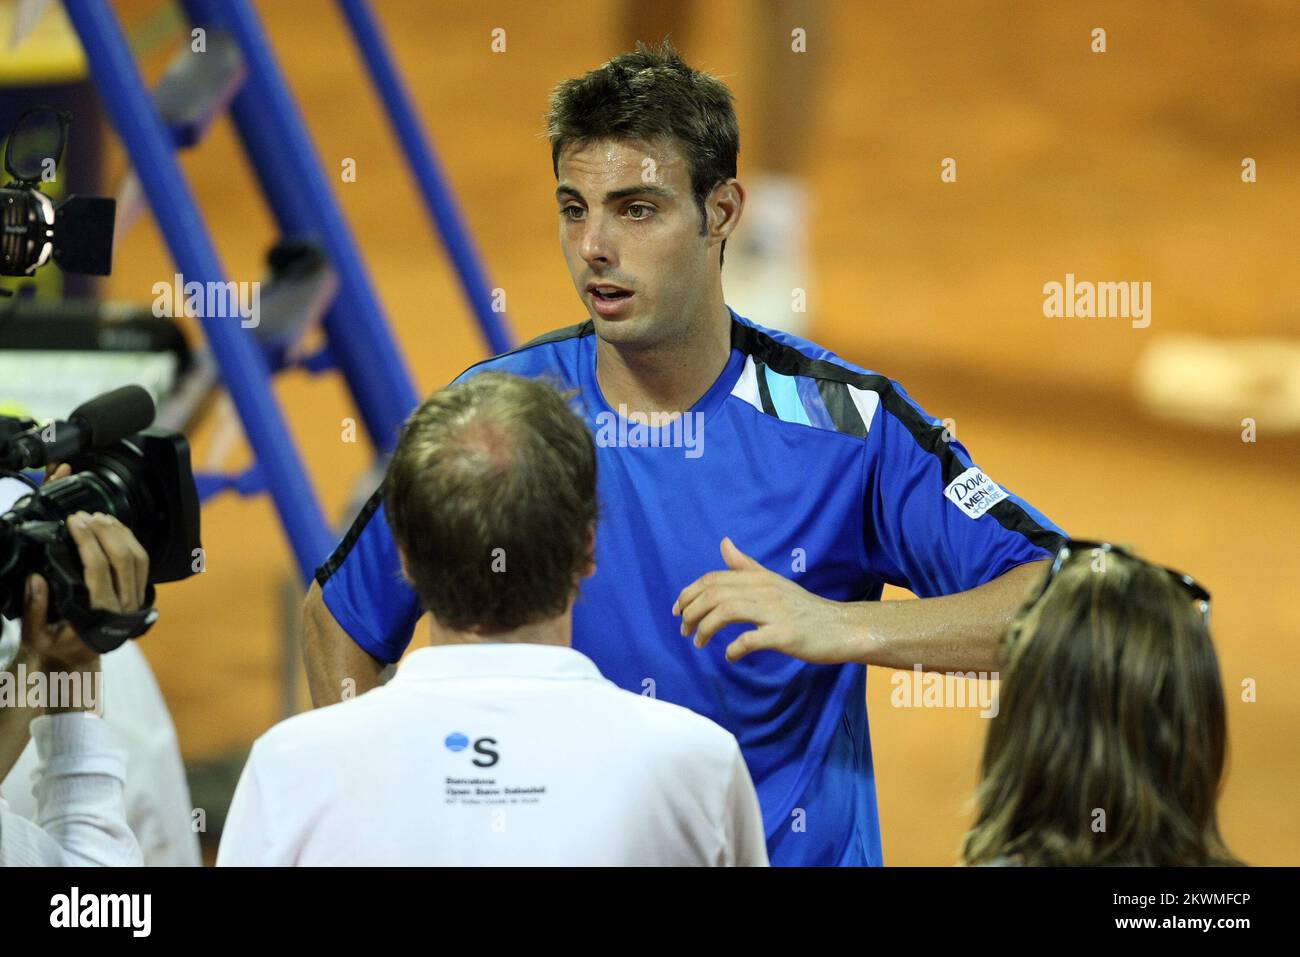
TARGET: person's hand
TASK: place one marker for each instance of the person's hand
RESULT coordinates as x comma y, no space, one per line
115,568
54,472
790,619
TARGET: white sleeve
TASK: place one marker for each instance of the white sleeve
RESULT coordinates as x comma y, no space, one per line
81,814
246,837
158,807
742,817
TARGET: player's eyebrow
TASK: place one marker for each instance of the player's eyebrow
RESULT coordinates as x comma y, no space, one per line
564,189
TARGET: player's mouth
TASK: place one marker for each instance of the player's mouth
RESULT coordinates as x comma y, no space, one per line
609,300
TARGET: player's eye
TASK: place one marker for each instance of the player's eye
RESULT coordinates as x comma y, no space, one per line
568,212
638,211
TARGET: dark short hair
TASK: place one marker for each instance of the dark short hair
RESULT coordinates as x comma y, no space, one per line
491,494
646,94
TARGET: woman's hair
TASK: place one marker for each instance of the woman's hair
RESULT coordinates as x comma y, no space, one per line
1110,739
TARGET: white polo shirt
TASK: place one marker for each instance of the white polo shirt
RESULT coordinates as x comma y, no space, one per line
496,754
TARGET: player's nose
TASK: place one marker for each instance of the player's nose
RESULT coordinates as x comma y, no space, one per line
595,246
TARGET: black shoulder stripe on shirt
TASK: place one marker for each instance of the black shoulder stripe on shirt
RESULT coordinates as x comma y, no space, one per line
340,553
790,361
764,393
931,438
555,335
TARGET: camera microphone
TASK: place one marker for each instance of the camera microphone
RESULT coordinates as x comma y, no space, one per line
111,417
96,424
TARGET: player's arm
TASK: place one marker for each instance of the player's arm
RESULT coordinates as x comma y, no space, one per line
359,614
958,632
334,662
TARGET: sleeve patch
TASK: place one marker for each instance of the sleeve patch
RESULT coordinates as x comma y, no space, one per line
974,492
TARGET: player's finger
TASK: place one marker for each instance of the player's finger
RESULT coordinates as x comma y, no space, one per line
727,612
710,580
692,591
759,639
735,558
94,563
694,610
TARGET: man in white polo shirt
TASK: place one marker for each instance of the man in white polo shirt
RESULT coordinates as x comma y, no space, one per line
499,744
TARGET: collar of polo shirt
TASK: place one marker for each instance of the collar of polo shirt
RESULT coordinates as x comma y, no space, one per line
496,659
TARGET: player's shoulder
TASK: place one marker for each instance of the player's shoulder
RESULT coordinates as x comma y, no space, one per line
795,380
552,355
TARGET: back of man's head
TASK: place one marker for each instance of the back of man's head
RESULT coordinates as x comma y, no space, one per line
491,494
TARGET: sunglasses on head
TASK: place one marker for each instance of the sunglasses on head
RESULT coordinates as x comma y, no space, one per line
1075,546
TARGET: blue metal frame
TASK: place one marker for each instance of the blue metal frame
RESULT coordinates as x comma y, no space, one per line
276,139
438,198
243,366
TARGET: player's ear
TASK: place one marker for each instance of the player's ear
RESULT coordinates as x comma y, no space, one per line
406,568
723,209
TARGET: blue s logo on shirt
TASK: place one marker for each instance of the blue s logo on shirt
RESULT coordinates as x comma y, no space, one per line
459,742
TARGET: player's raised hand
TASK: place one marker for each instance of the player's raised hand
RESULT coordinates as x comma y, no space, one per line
790,619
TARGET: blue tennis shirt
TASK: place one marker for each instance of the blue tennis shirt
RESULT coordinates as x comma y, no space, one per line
825,473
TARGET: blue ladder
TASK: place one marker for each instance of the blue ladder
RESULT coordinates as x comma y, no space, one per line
439,200
317,273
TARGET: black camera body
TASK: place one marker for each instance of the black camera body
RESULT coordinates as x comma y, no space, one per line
143,480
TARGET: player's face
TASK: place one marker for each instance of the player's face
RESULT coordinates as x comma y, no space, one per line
630,232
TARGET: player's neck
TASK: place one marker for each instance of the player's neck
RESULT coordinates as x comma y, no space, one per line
665,379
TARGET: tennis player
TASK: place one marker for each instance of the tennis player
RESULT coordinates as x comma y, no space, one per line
755,488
